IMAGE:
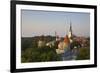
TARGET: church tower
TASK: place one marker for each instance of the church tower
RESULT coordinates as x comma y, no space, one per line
70,36
57,37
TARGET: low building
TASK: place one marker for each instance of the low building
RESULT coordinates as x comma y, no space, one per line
41,44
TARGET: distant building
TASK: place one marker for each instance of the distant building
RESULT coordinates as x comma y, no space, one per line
41,42
66,42
57,37
50,44
82,41
68,39
70,35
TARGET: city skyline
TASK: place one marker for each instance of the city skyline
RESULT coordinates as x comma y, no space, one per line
37,23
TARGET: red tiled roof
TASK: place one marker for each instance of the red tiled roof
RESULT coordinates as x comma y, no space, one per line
66,39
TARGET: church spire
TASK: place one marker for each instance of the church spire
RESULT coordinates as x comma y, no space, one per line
70,32
70,29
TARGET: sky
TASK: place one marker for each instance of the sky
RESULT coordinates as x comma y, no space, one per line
37,23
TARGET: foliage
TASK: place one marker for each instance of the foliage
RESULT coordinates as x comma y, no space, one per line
39,55
84,53
31,53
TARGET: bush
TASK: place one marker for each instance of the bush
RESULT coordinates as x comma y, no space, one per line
84,53
39,55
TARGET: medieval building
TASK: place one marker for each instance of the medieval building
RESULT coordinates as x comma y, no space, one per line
68,39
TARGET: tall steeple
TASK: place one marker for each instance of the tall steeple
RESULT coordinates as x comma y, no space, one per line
70,32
